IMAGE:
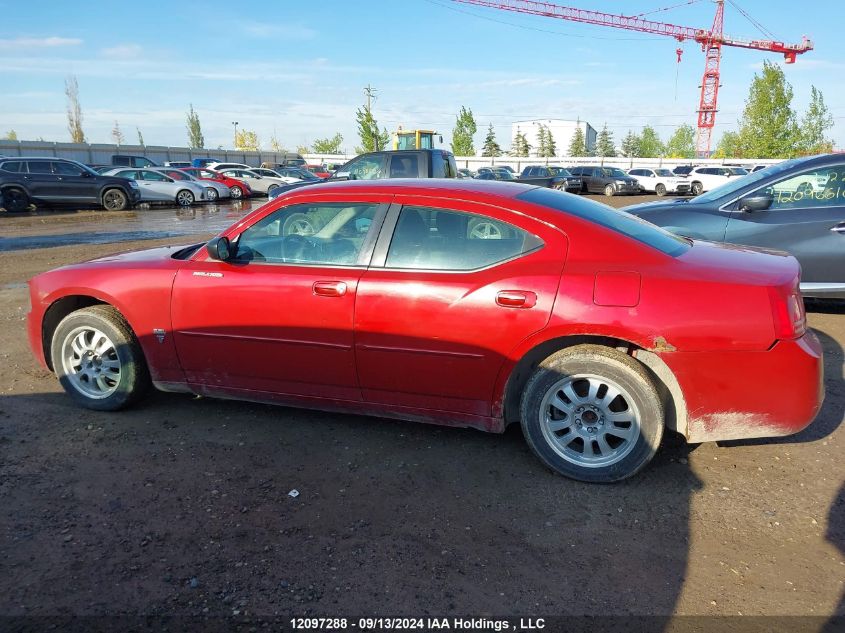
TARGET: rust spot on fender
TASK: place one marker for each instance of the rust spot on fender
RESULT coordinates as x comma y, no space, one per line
662,345
733,425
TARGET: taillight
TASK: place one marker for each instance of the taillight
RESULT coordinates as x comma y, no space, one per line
788,311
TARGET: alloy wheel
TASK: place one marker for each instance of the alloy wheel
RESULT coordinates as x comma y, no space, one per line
90,362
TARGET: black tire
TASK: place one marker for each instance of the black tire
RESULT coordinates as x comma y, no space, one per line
660,189
15,200
184,198
697,189
237,192
133,379
599,363
609,191
211,194
114,200
271,189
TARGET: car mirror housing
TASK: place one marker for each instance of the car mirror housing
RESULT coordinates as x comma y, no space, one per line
759,202
219,249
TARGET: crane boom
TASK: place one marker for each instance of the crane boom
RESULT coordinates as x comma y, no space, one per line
711,42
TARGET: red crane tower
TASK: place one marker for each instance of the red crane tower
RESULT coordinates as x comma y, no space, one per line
711,42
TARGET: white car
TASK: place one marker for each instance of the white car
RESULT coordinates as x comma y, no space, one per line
271,173
221,166
704,178
660,181
213,190
156,187
256,182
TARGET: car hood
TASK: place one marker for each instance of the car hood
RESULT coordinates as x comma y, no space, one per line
643,209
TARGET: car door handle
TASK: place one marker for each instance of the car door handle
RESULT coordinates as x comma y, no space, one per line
329,288
516,299
839,228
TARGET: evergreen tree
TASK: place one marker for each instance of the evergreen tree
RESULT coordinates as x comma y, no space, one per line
631,145
551,145
328,145
541,141
491,147
524,146
768,127
816,122
682,143
650,144
195,137
577,146
604,143
462,134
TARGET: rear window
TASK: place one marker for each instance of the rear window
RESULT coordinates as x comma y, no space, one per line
613,219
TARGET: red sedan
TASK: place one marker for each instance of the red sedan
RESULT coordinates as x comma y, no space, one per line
465,303
319,170
239,188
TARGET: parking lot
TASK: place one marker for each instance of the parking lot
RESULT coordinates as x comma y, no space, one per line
181,505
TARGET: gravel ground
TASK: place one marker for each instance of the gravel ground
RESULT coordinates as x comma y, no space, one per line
181,506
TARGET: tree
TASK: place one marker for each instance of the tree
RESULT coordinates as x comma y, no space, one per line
303,149
768,127
551,145
520,146
491,147
650,144
195,137
116,134
371,139
276,144
140,136
463,133
542,143
729,146
604,143
631,145
682,143
577,146
11,135
328,145
816,122
246,140
74,110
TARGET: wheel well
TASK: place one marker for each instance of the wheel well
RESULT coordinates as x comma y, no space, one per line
667,386
54,315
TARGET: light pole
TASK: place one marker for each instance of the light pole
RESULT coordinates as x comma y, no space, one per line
235,123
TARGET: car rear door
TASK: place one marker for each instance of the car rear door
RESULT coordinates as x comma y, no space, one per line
453,288
806,218
278,317
40,181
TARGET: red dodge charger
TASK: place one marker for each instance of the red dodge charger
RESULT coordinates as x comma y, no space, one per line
465,303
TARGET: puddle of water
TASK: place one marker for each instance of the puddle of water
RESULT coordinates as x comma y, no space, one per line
14,286
45,241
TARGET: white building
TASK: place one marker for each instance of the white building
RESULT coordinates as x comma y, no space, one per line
562,132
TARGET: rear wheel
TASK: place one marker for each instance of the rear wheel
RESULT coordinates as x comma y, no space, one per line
98,360
660,189
15,200
114,200
697,189
184,198
609,191
592,413
237,192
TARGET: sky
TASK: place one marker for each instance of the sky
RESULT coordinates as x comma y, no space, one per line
297,69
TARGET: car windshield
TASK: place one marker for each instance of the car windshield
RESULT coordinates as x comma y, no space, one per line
738,171
613,219
663,172
560,171
613,172
735,184
503,174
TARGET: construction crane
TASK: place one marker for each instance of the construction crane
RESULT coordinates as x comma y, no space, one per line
711,42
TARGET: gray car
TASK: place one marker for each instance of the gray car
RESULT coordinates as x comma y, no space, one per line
796,206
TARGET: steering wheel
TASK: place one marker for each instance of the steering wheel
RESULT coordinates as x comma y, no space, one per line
299,247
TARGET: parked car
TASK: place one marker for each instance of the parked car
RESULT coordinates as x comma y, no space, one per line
156,187
611,181
219,166
124,160
237,188
202,162
272,173
298,173
100,169
318,170
30,180
649,332
660,181
178,163
705,177
463,172
214,190
287,159
683,170
797,206
257,182
554,177
496,174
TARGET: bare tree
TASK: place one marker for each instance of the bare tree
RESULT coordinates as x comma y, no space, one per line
74,110
116,134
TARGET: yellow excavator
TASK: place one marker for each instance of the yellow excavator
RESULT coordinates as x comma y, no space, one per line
414,139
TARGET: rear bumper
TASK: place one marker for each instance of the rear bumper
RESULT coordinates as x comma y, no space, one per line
739,395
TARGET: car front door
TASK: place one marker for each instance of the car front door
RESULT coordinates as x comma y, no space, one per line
806,218
453,288
75,184
277,317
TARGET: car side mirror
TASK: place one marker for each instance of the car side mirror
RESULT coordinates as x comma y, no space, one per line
87,174
219,249
759,202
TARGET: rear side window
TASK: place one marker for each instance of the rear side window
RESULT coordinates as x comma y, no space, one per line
39,167
14,166
451,166
404,166
435,239
613,219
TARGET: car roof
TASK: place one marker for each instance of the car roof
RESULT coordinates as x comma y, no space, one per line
422,186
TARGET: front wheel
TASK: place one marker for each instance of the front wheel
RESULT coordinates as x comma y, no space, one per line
609,191
98,360
237,192
184,198
115,200
211,194
271,189
592,413
660,189
697,189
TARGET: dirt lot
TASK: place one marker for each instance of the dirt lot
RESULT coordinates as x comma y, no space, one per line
181,505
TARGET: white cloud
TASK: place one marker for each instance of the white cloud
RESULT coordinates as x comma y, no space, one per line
124,51
264,30
19,43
